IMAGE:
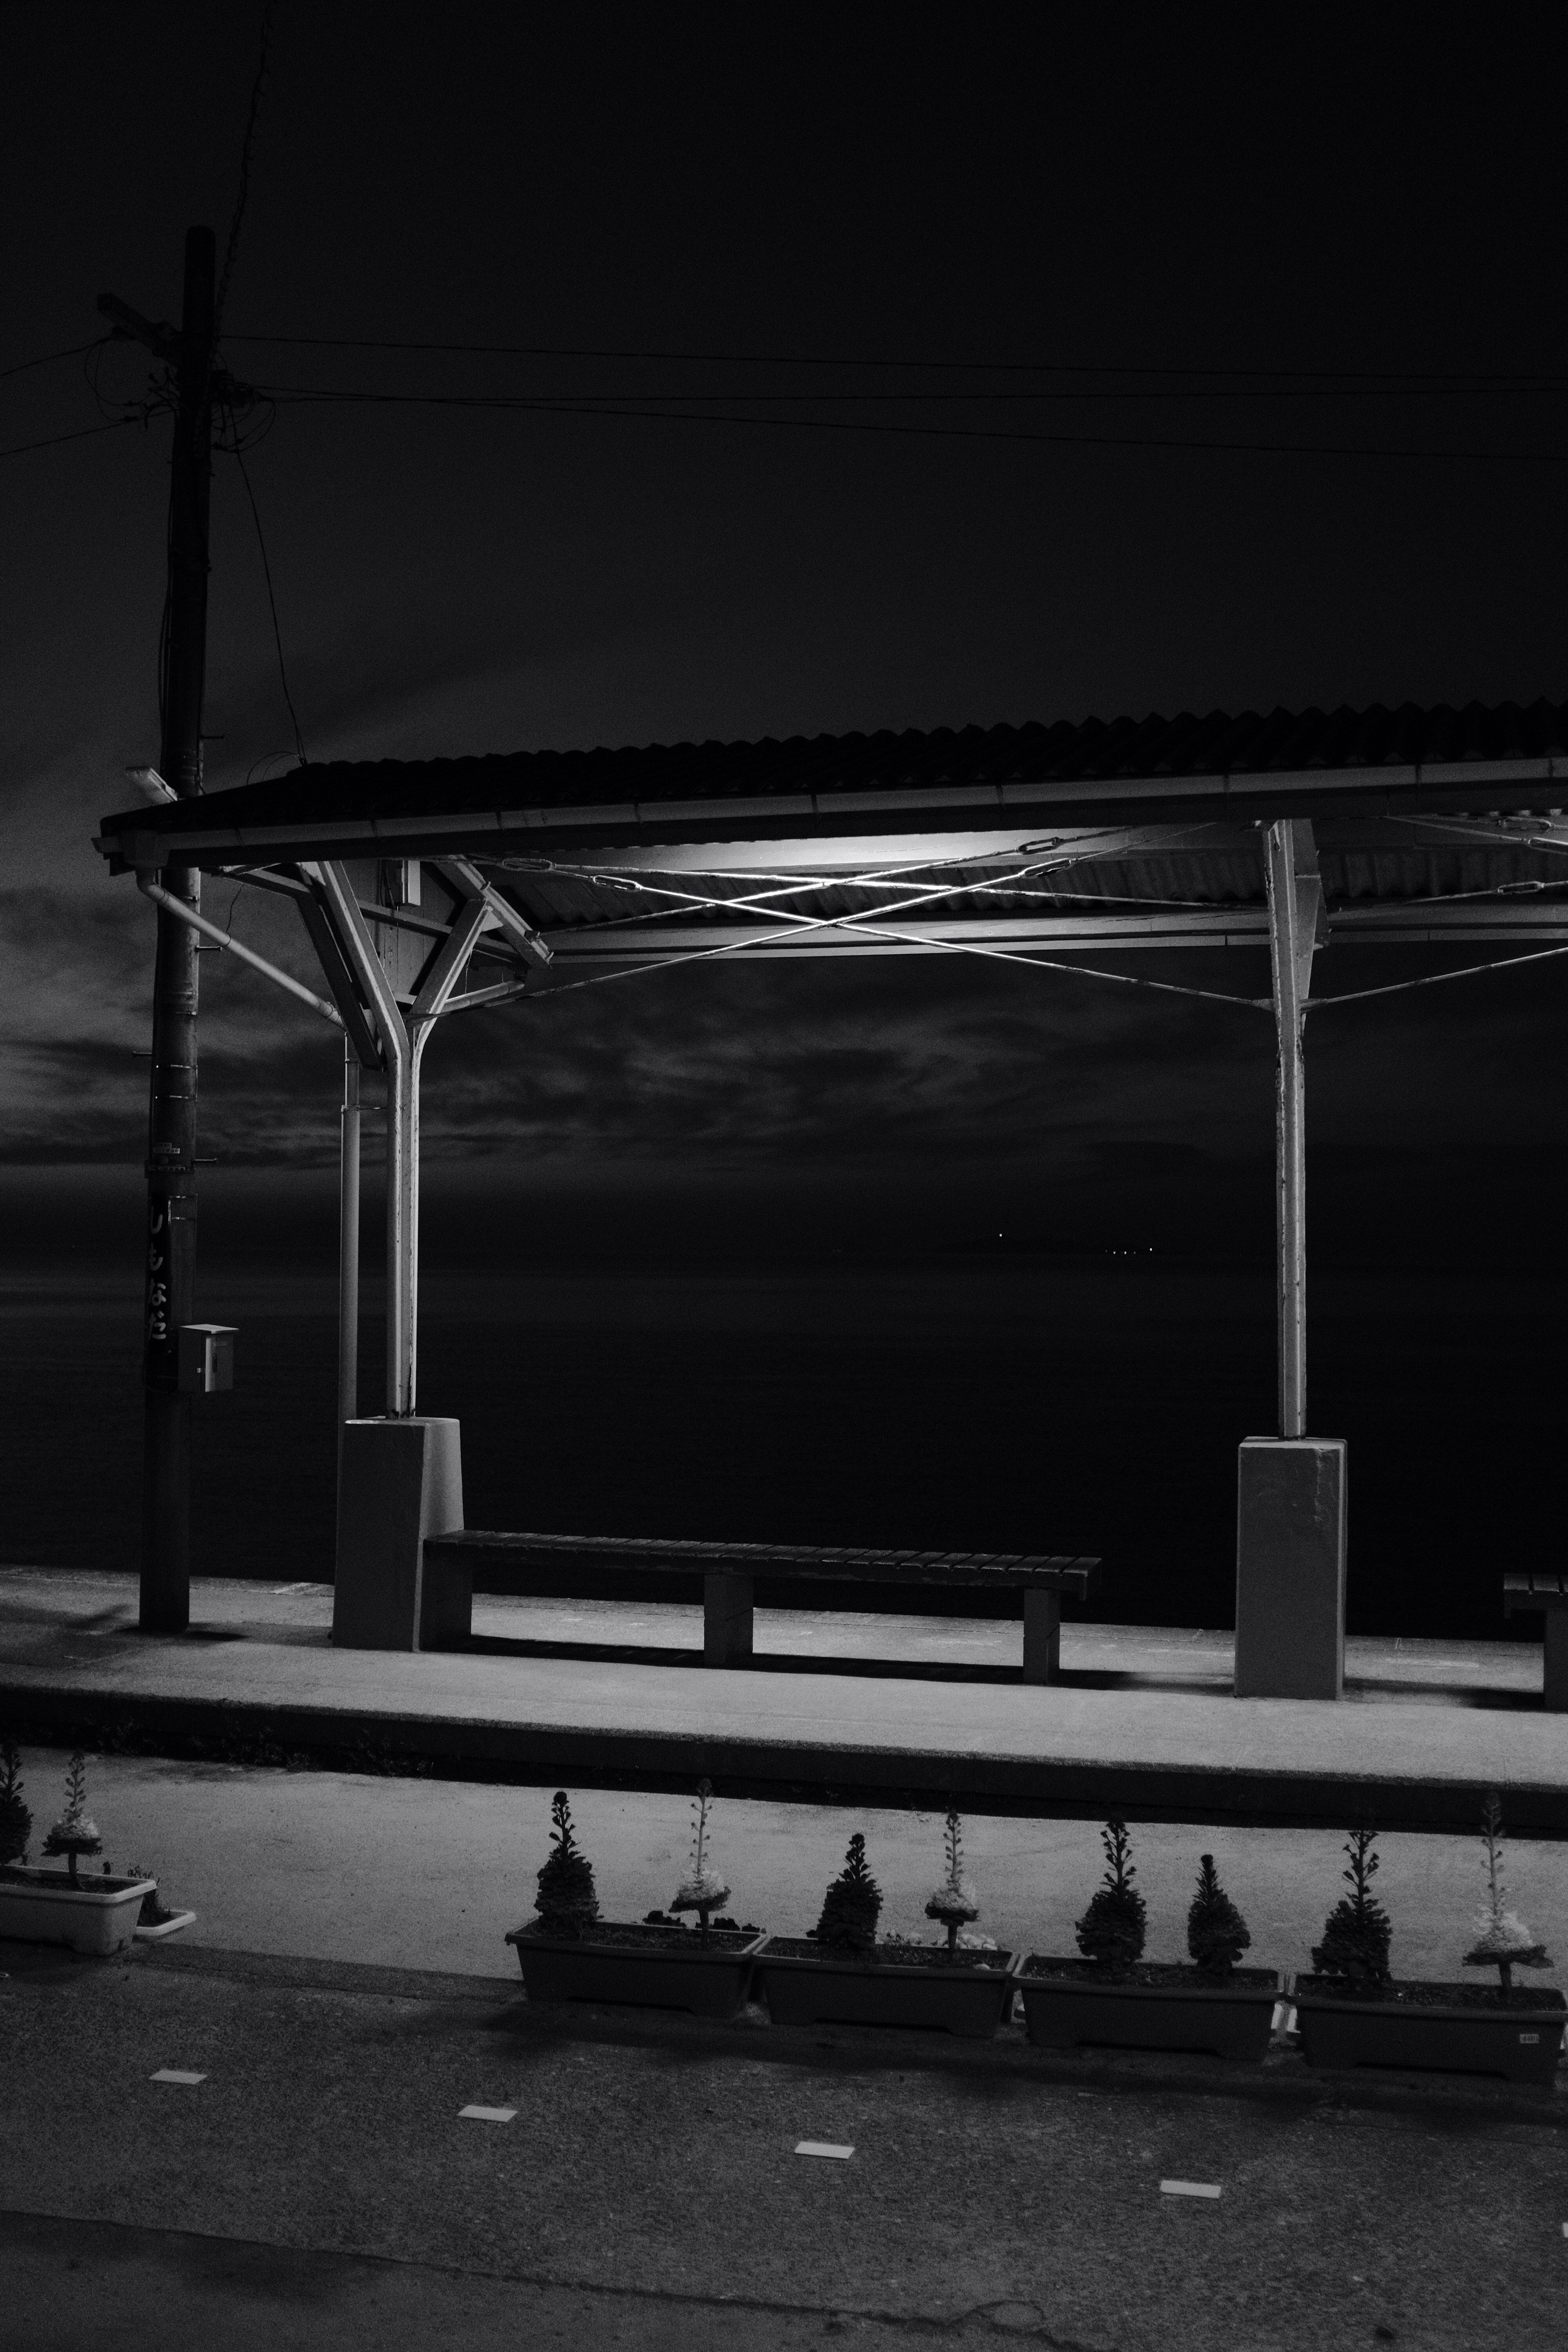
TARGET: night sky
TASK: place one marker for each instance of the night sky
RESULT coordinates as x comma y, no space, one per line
1332,230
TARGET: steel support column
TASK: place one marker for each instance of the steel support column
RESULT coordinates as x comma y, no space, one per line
1295,916
403,1041
347,1244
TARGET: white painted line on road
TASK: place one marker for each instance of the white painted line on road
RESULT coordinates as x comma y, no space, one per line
1189,2188
176,2074
821,2148
488,2114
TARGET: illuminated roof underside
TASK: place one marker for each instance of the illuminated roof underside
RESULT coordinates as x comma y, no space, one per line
1430,826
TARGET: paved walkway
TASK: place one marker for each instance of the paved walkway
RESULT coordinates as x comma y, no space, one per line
1144,1722
319,2186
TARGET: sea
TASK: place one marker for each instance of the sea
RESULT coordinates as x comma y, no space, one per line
1028,1404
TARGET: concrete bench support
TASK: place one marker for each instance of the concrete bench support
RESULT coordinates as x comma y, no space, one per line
1291,1568
727,1621
1523,1597
1042,1634
399,1482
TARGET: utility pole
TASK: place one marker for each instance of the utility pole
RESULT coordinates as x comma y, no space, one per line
171,1251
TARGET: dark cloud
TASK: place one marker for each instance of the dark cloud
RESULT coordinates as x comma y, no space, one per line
448,582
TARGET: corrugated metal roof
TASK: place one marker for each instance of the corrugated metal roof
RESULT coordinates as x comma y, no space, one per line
1075,771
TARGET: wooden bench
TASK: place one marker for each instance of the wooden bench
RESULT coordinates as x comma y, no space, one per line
1528,1596
586,1565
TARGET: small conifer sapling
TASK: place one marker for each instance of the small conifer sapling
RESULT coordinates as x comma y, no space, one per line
1217,1933
1502,1939
567,1901
953,1902
1358,1931
16,1820
74,1833
702,1889
852,1904
1111,1931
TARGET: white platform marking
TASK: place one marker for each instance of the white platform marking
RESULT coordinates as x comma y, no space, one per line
488,2114
1189,2188
176,2074
821,2148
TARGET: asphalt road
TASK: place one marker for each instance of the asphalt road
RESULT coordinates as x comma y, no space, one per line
319,2185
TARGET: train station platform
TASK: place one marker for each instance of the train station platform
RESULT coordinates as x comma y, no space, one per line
875,1709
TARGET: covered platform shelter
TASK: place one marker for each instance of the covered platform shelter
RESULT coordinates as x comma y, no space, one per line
428,887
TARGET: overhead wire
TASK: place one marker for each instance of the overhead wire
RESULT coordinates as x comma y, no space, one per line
306,395
234,451
71,351
247,147
85,433
1474,376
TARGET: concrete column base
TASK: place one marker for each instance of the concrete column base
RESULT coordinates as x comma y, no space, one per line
1291,1568
399,1481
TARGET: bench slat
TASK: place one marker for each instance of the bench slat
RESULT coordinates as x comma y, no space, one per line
663,1555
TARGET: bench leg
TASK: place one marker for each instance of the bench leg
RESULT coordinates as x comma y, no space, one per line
726,1621
1554,1696
1042,1636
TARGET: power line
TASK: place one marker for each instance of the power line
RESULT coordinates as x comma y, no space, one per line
20,448
304,395
980,397
73,352
272,602
247,145
1479,376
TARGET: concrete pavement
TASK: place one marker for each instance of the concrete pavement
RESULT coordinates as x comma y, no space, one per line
319,2185
1143,1721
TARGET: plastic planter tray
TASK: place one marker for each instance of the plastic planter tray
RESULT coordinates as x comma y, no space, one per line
1523,2042
97,1915
169,1926
711,1982
1077,2006
804,1985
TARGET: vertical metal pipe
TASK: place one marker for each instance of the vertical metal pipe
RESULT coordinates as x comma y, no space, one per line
1286,949
419,1034
397,1230
348,1246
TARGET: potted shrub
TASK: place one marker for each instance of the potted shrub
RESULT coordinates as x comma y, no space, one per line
838,1972
567,1952
1111,1995
1350,2011
92,1914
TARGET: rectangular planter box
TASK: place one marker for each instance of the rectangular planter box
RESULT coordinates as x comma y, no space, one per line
803,1989
97,1917
1522,2045
710,1983
1231,2021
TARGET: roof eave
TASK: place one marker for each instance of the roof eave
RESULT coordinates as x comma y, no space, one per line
185,832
